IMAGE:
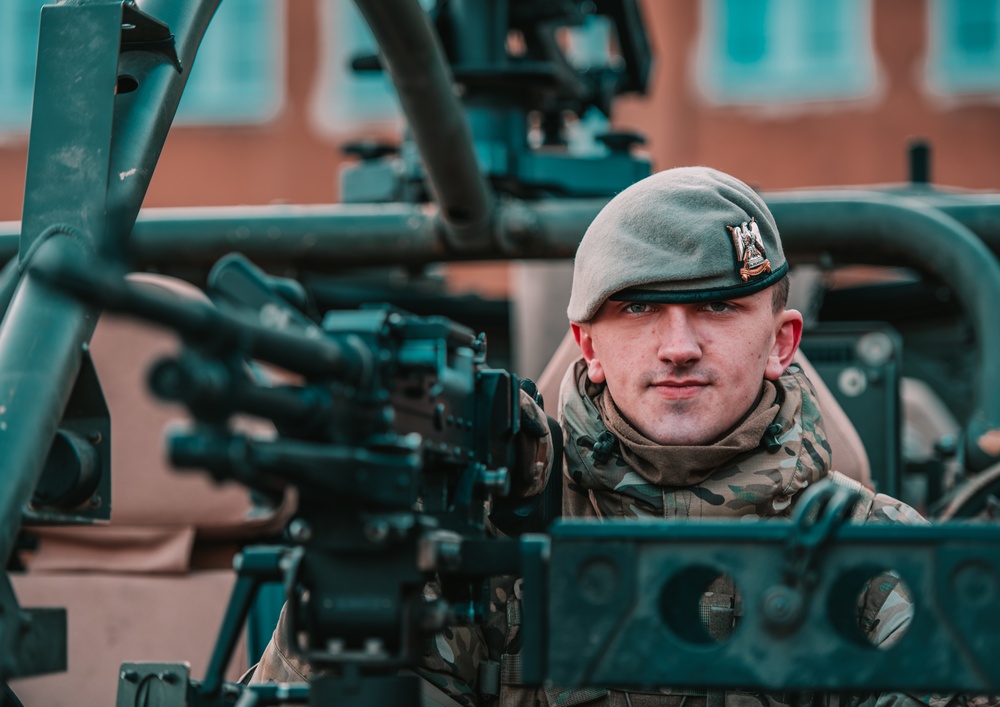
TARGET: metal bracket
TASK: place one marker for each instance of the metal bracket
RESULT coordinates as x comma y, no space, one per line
143,32
32,641
639,585
823,509
820,513
79,461
159,684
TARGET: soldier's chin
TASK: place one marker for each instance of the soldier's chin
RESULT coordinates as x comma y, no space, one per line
681,436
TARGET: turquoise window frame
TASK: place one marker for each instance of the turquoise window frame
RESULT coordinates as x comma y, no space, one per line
238,74
237,78
351,101
786,51
19,20
964,46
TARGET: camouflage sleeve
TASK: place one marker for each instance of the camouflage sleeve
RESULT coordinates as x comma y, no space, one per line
481,665
885,628
450,662
450,659
886,509
888,611
893,617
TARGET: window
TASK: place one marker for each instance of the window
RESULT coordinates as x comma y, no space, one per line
237,77
964,46
18,46
785,51
238,74
352,100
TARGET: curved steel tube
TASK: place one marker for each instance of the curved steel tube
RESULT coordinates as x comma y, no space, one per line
328,234
143,117
412,55
978,212
884,229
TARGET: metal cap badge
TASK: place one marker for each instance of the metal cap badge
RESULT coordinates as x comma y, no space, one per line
749,249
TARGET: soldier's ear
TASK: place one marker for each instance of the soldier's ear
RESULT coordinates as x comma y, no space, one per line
787,335
581,332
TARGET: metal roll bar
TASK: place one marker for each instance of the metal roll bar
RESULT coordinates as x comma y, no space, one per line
412,54
879,228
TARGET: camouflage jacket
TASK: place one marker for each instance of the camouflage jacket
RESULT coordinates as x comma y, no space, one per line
765,482
760,483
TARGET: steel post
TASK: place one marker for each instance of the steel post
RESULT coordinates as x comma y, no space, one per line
143,116
337,237
68,154
78,146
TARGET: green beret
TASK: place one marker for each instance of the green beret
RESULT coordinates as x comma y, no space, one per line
689,234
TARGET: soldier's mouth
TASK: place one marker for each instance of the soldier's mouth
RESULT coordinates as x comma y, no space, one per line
680,389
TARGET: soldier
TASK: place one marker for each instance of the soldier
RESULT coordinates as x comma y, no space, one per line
684,404
685,374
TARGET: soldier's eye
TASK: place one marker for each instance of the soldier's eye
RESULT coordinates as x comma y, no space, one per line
637,308
719,307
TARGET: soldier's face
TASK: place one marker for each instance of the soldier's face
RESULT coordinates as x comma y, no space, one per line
688,373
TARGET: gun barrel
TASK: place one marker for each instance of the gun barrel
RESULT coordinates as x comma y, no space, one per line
205,326
208,385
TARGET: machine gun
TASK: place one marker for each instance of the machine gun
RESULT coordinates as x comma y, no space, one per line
398,441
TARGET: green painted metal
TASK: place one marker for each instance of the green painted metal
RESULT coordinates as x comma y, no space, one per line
633,581
143,116
91,156
83,139
68,152
412,54
75,485
72,211
862,227
849,226
32,641
329,237
70,140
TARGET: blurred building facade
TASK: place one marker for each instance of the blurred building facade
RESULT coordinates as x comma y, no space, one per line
782,93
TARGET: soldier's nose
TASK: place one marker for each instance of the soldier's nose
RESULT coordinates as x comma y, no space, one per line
678,341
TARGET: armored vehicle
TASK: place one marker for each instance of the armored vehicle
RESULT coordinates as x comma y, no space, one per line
347,424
